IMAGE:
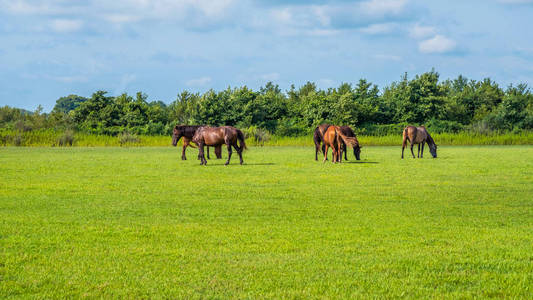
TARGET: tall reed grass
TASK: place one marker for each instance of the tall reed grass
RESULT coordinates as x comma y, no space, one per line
53,138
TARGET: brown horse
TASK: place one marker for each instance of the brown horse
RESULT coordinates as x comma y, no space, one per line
334,138
187,132
217,136
318,138
418,135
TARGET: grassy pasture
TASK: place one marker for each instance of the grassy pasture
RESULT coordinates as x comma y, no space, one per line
139,222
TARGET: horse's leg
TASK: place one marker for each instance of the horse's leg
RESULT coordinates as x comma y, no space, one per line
422,153
326,148
229,153
218,151
208,153
404,144
239,151
185,144
418,155
201,154
317,148
412,150
345,152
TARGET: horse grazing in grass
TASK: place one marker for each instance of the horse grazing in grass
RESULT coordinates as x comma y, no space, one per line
217,136
187,132
418,135
318,138
334,138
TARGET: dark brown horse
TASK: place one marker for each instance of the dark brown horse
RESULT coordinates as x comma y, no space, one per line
318,138
418,135
187,132
217,136
334,138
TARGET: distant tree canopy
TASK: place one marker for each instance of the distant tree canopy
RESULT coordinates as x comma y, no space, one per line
443,106
68,103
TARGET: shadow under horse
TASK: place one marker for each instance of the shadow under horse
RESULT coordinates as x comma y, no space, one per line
187,132
418,135
218,136
318,138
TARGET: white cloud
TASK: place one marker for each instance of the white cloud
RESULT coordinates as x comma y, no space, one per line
23,7
66,25
121,11
382,7
378,28
437,44
420,32
198,82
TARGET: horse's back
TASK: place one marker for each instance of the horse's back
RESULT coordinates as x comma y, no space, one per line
330,135
347,131
416,135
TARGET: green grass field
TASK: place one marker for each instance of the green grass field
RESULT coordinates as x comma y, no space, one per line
140,223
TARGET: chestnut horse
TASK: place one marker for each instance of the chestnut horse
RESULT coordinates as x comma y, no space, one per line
318,138
418,135
334,138
187,132
217,136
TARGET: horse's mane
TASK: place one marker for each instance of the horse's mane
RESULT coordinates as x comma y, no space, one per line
430,140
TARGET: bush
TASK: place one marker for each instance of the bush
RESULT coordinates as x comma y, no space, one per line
381,130
66,139
482,127
258,135
441,126
287,127
127,138
18,140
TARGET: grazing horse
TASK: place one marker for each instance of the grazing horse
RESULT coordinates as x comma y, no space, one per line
318,138
187,132
347,131
418,135
217,136
334,138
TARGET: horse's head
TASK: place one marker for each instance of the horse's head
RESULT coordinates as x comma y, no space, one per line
433,150
357,152
176,135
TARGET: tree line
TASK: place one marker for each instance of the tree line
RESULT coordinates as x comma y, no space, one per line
452,105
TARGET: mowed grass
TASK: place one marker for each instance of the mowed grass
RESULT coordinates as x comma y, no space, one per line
141,223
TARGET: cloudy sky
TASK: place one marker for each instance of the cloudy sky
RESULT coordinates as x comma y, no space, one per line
53,48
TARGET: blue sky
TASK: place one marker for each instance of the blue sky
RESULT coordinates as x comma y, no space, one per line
53,48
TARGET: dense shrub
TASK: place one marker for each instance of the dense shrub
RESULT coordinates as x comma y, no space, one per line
259,136
127,138
66,139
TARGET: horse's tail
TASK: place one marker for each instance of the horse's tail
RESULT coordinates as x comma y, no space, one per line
405,136
240,137
350,141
